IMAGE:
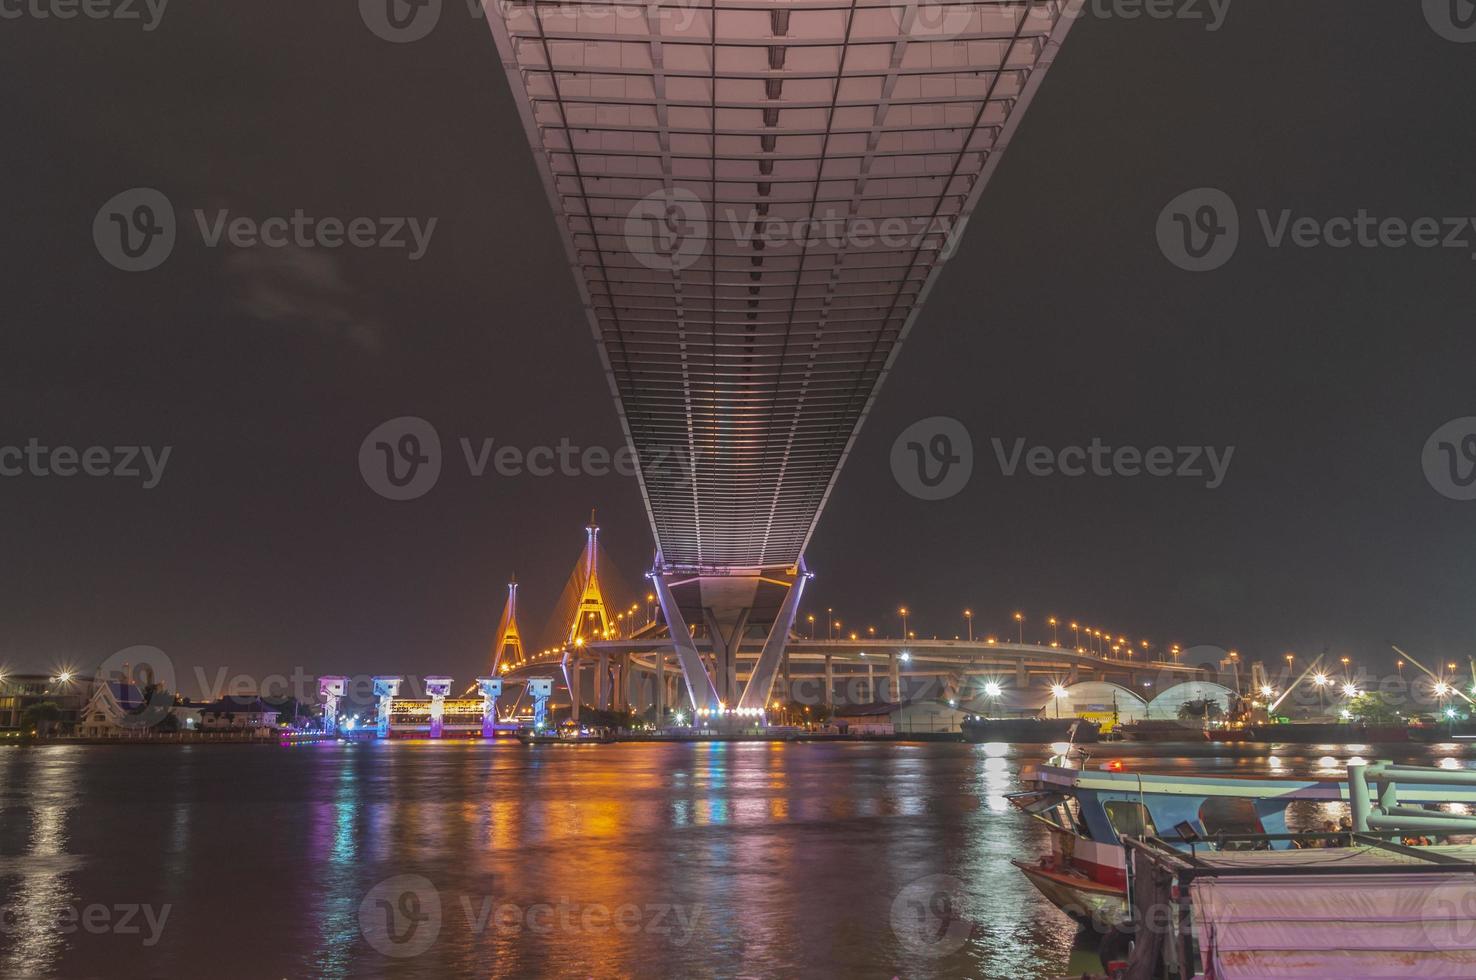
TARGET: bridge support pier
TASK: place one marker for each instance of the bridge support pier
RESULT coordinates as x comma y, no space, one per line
829,701
659,695
571,667
725,645
894,680
761,680
700,690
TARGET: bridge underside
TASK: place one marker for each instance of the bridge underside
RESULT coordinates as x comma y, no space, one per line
755,197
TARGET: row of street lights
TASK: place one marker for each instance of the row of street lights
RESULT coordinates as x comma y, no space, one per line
1097,641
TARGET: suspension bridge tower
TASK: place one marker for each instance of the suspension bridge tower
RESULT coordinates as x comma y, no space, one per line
591,620
591,617
508,652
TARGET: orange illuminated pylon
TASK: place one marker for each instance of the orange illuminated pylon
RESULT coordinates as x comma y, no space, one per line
509,650
591,620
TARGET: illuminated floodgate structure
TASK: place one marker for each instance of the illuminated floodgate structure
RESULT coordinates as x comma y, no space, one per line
437,715
755,197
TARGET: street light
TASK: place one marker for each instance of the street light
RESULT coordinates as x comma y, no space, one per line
969,617
1020,626
811,618
1075,635
992,690
903,612
829,617
1055,638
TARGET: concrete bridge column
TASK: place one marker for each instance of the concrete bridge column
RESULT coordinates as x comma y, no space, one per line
571,677
829,683
660,685
894,680
871,683
1022,676
602,681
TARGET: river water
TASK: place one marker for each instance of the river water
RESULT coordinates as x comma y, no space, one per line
462,859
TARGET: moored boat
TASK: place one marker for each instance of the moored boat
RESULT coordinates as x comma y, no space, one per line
1088,812
537,738
1329,733
1041,731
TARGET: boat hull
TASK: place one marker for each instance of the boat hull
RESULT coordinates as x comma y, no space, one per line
1092,904
1313,733
1030,731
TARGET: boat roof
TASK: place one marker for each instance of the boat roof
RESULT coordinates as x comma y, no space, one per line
1066,779
1368,856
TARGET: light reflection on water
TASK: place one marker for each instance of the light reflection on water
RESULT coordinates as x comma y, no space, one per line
781,860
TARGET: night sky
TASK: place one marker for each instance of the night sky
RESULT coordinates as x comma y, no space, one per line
1059,320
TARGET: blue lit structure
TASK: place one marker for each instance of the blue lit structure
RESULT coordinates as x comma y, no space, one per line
386,689
331,689
437,688
491,688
